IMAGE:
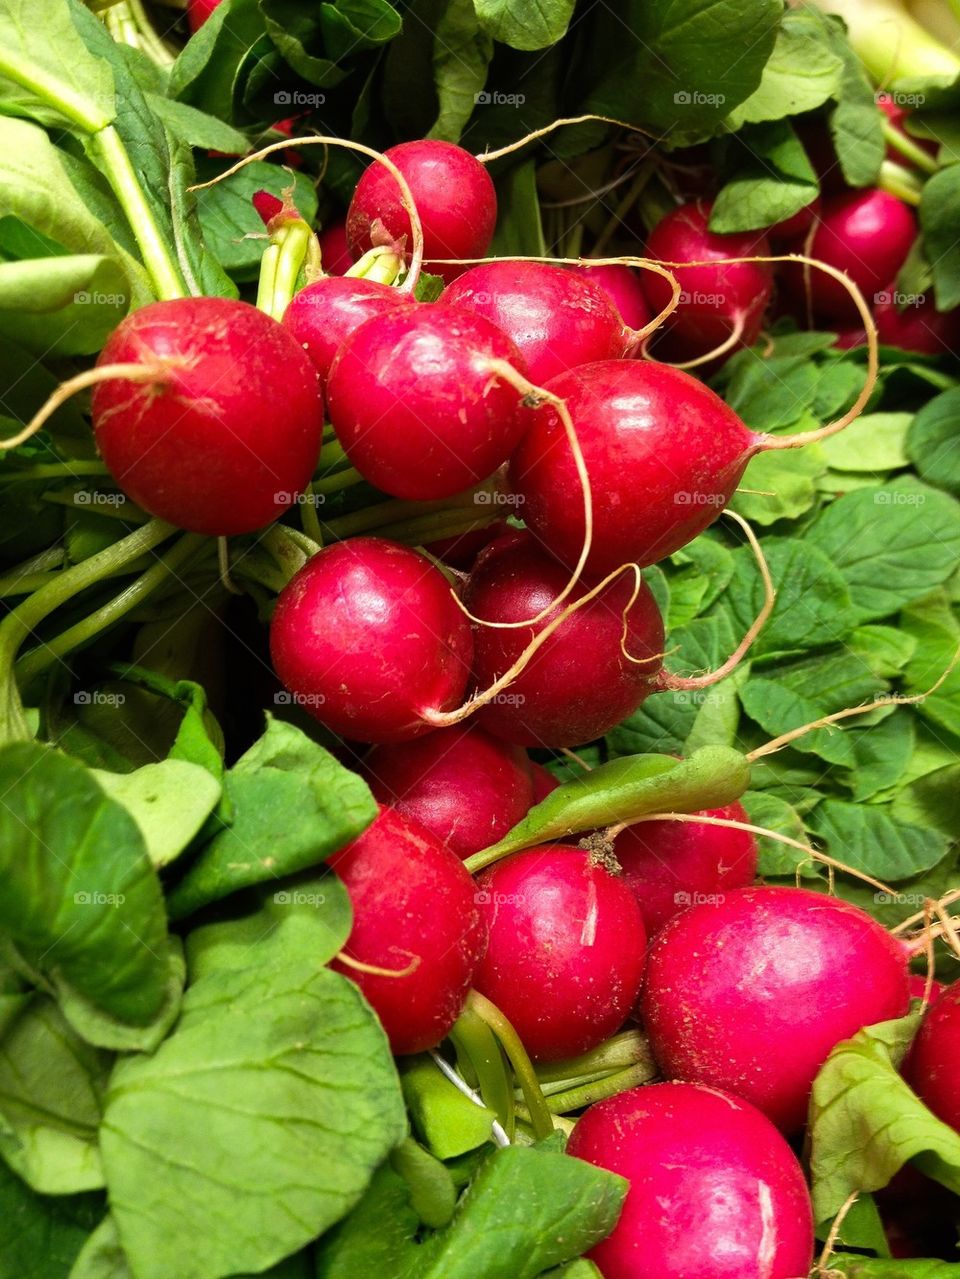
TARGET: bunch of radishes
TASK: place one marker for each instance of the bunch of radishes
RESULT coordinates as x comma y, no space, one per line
209,413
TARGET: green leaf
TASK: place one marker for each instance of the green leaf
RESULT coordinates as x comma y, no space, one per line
930,800
938,221
931,622
801,74
855,122
785,485
874,1268
315,42
51,1099
718,712
308,915
932,442
207,69
813,604
866,1123
261,1154
774,393
884,649
868,838
891,544
62,305
197,128
882,752
522,26
81,900
41,1236
777,815
713,562
461,59
872,444
446,1121
47,74
293,805
773,180
627,788
169,801
378,1236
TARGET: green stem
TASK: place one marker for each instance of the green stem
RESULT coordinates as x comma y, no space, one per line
71,105
338,481
598,1090
380,264
39,659
628,1048
268,276
431,528
474,1039
397,512
902,142
151,43
124,509
899,182
162,269
537,1107
29,613
25,584
59,470
120,23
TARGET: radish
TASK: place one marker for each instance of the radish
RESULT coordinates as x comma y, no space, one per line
556,319
461,550
550,703
452,191
715,1191
324,314
198,11
415,916
752,993
417,403
718,302
673,865
663,452
865,234
367,637
464,786
622,283
544,782
918,988
335,255
933,1069
566,949
226,432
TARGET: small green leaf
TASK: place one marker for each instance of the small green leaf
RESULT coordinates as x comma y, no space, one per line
446,1121
197,128
938,221
777,815
461,58
784,485
932,442
169,801
871,445
525,27
801,73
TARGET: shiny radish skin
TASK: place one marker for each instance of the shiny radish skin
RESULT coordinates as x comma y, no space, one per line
670,866
413,903
228,434
865,234
555,701
453,195
198,11
713,297
715,1191
933,1068
335,255
464,786
752,994
415,404
368,639
663,452
623,284
566,949
324,314
556,319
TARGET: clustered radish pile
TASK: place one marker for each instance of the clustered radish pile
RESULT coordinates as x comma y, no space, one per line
445,666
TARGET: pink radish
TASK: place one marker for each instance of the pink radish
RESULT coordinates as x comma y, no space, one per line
415,916
227,432
934,1065
324,314
417,403
367,637
550,703
198,11
865,234
556,319
461,550
453,194
544,782
464,786
718,299
622,283
566,949
335,255
752,993
663,452
673,865
715,1191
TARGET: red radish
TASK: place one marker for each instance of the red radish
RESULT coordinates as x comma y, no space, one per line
464,786
414,914
198,11
551,703
920,327
556,319
324,314
416,405
566,949
715,1191
867,235
544,782
461,550
715,299
918,988
671,866
335,255
663,452
453,194
367,637
934,1065
229,431
622,282
751,994
791,231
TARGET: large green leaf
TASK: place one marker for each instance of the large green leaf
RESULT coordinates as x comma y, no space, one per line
869,838
461,59
932,441
81,900
801,74
40,1236
45,70
938,220
524,26
254,1127
62,305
